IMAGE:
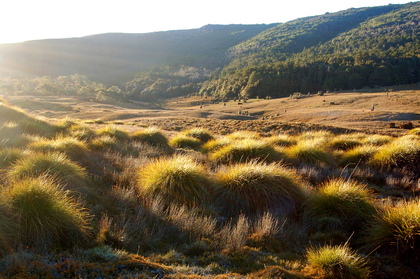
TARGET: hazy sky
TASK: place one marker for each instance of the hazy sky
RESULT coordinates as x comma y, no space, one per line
22,20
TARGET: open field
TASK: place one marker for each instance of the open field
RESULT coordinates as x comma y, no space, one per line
317,187
349,110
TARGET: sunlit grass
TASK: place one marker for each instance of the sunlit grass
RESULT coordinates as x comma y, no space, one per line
45,215
177,180
361,154
70,146
113,132
244,151
336,262
281,140
311,152
151,135
254,187
199,133
185,141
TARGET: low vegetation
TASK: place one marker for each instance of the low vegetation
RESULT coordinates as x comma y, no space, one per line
97,201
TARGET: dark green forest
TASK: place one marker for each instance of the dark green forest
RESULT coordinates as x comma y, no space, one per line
351,49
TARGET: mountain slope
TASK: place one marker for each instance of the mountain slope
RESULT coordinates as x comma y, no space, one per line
102,57
345,50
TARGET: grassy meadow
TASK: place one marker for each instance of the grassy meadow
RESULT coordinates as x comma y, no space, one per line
86,199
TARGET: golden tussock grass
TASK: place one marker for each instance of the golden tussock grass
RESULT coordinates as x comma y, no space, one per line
185,141
177,180
254,187
310,152
46,216
151,135
336,262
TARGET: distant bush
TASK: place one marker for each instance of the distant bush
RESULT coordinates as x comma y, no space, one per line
46,217
254,187
336,262
246,150
177,180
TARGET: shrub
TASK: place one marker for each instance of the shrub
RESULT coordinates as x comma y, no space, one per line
56,165
246,150
254,187
113,132
45,215
199,133
151,135
336,262
184,141
396,230
348,201
177,180
311,152
401,152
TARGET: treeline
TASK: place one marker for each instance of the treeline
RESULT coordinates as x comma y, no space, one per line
381,51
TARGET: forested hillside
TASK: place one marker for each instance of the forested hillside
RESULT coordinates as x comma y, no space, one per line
351,49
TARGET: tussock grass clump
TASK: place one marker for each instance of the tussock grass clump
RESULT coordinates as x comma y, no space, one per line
70,146
343,142
415,131
322,136
377,140
396,230
104,143
336,262
360,154
56,165
177,180
215,144
310,152
281,140
246,150
81,132
9,113
199,133
345,200
11,135
403,151
254,187
113,132
8,228
152,136
46,216
240,135
185,141
10,155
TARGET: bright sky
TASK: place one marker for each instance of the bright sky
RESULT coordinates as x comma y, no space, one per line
22,20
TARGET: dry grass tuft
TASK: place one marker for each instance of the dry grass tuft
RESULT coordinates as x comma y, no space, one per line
46,216
254,187
310,152
152,136
177,180
336,262
185,141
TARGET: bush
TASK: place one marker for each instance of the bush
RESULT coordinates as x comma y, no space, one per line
56,165
177,180
254,187
246,150
348,201
336,262
46,216
152,136
310,152
396,230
